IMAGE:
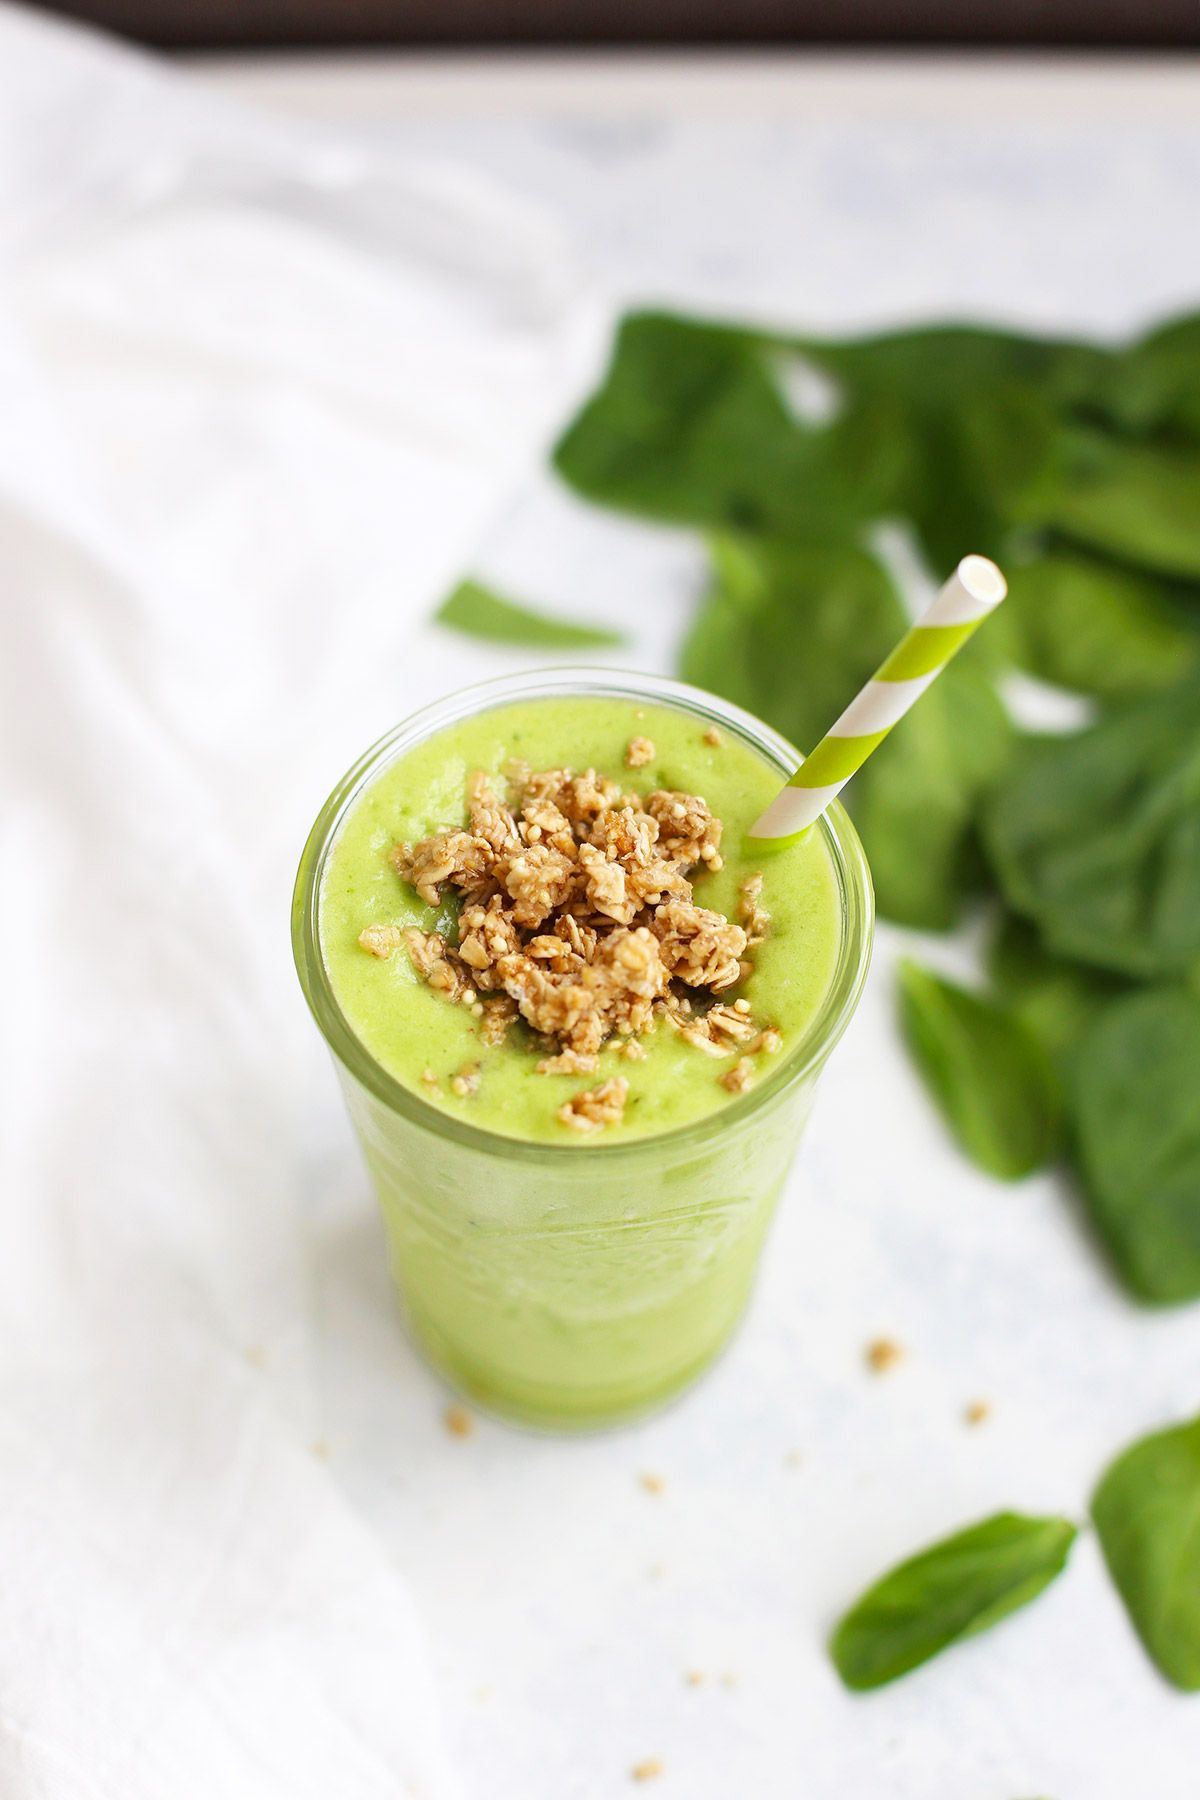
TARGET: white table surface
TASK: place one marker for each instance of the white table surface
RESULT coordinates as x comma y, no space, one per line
564,1603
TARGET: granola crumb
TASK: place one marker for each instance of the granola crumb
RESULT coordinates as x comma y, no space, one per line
649,1769
713,736
976,1412
739,1078
694,1677
882,1354
380,940
429,1080
632,1051
768,1042
639,752
653,1484
466,1082
752,916
320,1449
458,1421
596,1107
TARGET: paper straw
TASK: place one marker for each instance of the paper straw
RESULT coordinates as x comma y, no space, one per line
974,590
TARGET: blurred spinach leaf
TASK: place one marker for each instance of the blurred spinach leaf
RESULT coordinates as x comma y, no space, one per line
1134,1101
986,1072
916,802
792,631
480,612
1054,997
1146,1510
1133,500
957,1587
1096,836
1153,387
691,425
1096,627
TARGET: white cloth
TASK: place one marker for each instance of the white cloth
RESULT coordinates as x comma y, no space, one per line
258,399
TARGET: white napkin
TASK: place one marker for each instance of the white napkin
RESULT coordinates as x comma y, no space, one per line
259,397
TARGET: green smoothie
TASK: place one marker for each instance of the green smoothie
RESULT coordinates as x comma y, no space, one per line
409,1029
574,1278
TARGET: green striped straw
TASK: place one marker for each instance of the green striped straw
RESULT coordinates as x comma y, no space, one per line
974,590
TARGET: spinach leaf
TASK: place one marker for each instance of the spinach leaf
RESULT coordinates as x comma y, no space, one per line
1153,387
1135,500
1096,836
1056,998
986,1073
1096,627
1135,1104
482,613
915,801
1147,1515
958,1587
691,425
792,631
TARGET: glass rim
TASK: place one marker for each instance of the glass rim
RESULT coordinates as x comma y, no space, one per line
846,854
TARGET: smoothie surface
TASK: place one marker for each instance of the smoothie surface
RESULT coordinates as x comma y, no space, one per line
409,1029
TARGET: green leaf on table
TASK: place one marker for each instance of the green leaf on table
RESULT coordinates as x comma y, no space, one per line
986,1073
1097,627
691,425
1134,1102
1147,1515
1095,836
958,1587
980,410
481,613
1055,997
1153,387
915,801
1133,500
792,631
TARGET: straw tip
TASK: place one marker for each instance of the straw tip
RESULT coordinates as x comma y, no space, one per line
982,580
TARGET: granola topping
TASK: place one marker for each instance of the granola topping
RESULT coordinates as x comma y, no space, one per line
577,915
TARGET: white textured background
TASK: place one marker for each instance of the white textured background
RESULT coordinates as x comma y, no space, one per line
564,1602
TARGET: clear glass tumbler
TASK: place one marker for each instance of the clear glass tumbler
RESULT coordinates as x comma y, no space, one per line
577,1284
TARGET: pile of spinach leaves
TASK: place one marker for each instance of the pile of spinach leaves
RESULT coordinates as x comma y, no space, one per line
1077,466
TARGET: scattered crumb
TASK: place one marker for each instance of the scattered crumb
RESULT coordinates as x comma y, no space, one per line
882,1354
768,1042
429,1079
653,1484
713,736
256,1355
639,752
793,1459
694,1677
466,1082
739,1078
752,916
380,940
458,1421
977,1412
320,1449
648,1770
596,1107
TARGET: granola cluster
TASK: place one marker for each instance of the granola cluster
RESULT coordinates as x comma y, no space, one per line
577,914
